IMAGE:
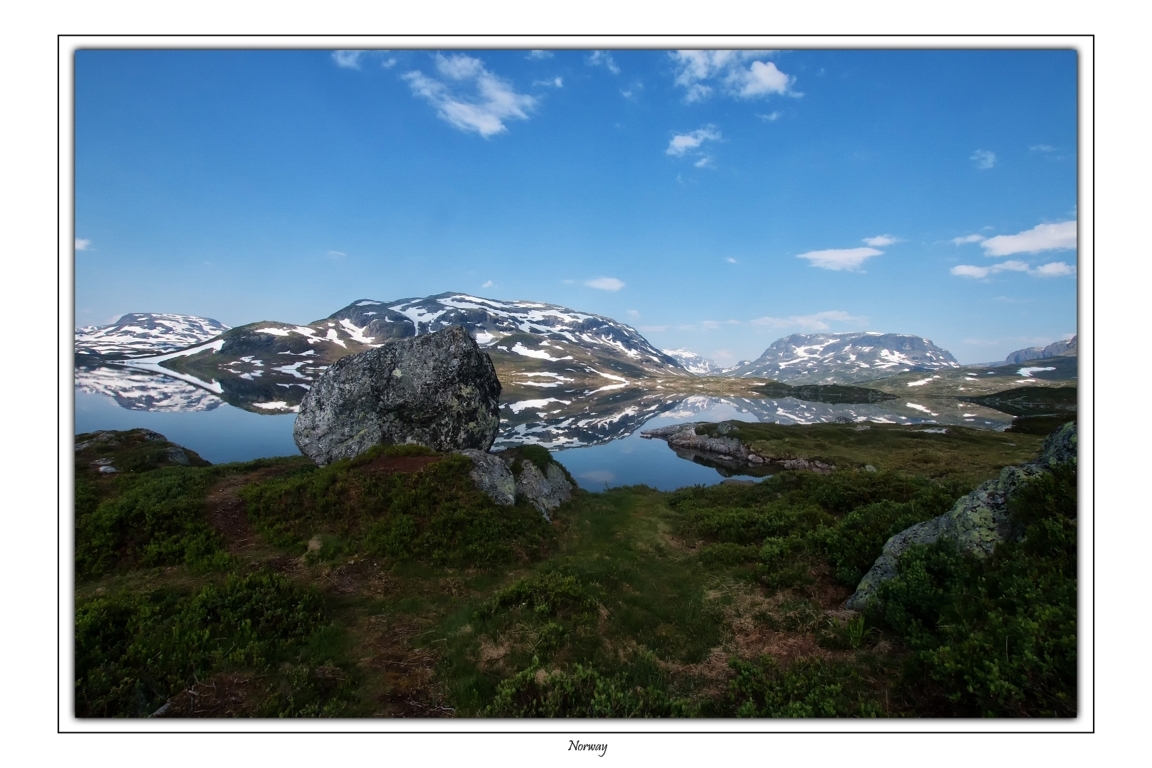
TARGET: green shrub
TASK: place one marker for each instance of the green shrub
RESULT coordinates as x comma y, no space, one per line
158,520
997,637
552,593
134,651
582,691
805,688
435,515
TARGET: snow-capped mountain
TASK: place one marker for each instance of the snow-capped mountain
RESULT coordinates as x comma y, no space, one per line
370,323
140,334
694,363
1065,348
832,358
534,346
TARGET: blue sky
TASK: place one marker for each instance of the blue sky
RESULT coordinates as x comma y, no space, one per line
714,200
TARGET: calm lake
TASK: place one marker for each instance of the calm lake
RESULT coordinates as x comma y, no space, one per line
192,417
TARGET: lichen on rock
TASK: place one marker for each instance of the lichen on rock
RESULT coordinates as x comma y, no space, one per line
976,522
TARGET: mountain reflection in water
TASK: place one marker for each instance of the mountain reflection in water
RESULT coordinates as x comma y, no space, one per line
596,438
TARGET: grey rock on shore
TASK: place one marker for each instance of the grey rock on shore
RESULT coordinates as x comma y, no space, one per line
977,522
438,390
492,474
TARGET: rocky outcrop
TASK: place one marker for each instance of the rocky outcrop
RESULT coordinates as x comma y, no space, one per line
439,390
492,475
724,450
546,490
977,522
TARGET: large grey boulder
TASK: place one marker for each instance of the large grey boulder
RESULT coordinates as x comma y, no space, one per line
438,390
977,522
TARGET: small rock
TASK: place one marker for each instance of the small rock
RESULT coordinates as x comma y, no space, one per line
869,467
492,476
545,490
107,469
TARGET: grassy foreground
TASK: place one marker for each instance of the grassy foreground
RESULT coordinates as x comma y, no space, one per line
388,586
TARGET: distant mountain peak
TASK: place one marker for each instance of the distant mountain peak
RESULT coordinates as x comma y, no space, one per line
827,358
140,334
694,363
1063,348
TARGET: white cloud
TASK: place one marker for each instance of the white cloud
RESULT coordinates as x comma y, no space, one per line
814,322
82,244
555,82
634,313
388,63
603,59
539,55
1053,269
1041,148
771,117
471,98
968,270
704,162
1042,237
731,260
881,240
968,239
740,74
605,284
983,159
336,255
348,59
683,142
488,284
840,258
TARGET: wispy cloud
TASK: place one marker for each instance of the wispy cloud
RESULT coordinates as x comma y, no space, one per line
335,255
731,260
1041,148
1053,269
983,159
838,259
683,142
82,244
348,59
539,55
633,313
881,240
739,74
771,117
1042,237
820,321
555,82
704,162
603,59
968,239
469,97
605,284
488,284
